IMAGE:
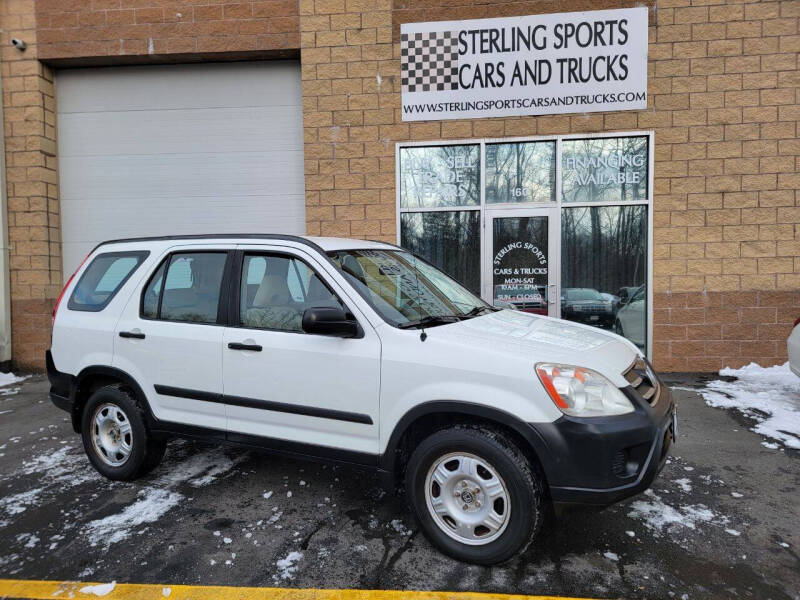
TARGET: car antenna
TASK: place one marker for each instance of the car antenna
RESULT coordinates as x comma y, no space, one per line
422,335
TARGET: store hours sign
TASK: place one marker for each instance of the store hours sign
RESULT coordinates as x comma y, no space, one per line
530,65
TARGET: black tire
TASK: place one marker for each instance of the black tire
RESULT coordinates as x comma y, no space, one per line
146,451
524,486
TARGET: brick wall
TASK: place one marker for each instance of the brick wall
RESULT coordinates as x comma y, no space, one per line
723,101
118,31
32,185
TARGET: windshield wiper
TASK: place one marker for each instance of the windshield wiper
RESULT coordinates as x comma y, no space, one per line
478,310
430,320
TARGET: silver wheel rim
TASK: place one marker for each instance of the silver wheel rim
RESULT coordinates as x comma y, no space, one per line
467,498
112,437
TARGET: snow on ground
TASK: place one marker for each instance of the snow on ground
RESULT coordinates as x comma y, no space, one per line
770,395
9,378
101,589
153,502
151,505
661,517
287,566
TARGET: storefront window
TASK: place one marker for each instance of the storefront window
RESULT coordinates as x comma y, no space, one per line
520,172
604,268
437,176
604,169
450,240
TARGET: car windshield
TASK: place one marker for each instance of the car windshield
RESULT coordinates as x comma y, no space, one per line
405,290
583,294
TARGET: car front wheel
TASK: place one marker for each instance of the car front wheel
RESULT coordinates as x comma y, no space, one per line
475,494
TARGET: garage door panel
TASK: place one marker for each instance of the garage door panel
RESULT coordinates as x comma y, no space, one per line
166,87
164,175
212,130
179,149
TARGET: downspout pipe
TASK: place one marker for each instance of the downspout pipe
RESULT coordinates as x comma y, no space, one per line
5,283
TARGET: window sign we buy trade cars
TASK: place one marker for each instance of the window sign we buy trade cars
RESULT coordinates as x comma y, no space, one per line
530,65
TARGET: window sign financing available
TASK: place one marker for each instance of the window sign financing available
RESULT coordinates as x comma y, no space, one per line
532,65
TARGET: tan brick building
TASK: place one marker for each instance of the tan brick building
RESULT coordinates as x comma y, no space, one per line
720,277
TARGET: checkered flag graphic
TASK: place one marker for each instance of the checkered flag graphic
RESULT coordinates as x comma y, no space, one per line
429,61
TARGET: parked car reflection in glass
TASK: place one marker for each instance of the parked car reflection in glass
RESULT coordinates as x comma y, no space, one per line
632,318
586,305
613,300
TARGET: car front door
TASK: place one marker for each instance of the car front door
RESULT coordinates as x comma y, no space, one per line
169,338
301,389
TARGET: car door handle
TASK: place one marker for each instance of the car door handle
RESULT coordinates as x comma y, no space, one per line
238,346
137,335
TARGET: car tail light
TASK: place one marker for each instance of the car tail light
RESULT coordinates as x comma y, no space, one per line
796,323
66,285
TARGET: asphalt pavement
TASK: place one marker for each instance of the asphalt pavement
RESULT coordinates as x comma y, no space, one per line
722,520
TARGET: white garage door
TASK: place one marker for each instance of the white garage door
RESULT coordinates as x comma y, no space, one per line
176,149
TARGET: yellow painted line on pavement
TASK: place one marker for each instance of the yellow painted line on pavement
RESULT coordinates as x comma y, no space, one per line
48,590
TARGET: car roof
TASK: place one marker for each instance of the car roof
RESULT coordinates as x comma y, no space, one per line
321,244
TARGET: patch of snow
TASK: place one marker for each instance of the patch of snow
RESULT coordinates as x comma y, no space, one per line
400,527
287,566
611,556
151,505
29,539
630,534
685,484
733,532
770,445
227,540
18,503
267,495
660,517
736,494
101,589
9,378
769,395
783,544
289,494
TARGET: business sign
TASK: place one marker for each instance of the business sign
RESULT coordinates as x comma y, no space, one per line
533,65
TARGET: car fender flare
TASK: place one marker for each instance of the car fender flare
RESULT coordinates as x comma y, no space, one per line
536,443
122,376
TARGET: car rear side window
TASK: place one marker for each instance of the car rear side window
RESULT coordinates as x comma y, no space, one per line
190,290
103,278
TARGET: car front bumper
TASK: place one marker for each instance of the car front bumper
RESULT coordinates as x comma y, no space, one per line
602,460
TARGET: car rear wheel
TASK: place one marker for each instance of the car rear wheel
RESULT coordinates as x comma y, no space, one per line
115,435
474,493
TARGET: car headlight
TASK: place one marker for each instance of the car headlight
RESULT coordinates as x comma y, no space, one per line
581,392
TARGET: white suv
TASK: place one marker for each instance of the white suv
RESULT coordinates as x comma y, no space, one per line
361,353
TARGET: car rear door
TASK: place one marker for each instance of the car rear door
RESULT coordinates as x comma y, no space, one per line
169,338
305,391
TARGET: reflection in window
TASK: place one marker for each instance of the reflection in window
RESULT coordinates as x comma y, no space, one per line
450,240
439,176
604,268
192,287
522,172
604,169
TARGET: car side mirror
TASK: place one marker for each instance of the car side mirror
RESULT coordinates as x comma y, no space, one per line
327,320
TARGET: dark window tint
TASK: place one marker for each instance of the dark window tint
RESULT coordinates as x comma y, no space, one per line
450,240
152,293
276,291
103,278
604,252
192,287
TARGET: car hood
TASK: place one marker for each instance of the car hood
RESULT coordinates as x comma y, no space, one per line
544,339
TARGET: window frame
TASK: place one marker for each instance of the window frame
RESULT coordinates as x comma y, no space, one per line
142,254
224,294
237,272
497,209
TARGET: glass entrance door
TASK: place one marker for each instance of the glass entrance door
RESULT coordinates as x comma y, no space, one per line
521,260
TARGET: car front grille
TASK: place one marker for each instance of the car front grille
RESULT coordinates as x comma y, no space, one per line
591,308
641,377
